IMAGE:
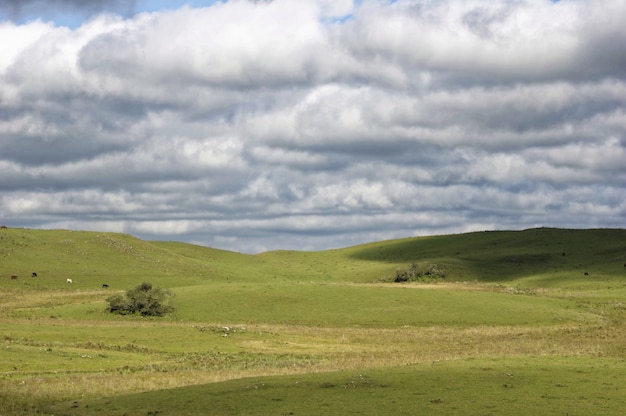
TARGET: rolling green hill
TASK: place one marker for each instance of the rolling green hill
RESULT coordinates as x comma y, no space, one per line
536,257
91,258
544,304
542,256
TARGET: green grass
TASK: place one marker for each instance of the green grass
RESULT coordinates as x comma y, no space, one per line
260,334
120,260
512,256
368,306
327,304
468,387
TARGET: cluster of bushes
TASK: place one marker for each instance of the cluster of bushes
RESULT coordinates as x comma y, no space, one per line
413,273
143,300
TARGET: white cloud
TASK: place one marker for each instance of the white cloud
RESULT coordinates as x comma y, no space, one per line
239,44
317,123
23,36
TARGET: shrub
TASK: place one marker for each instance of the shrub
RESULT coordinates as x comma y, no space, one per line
144,300
412,274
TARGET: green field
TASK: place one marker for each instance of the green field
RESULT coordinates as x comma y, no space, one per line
523,321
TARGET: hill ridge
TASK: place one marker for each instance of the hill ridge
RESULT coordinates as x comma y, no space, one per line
504,255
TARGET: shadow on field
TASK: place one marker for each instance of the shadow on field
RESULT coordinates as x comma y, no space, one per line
508,255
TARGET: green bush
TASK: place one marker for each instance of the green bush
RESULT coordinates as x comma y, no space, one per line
414,274
144,300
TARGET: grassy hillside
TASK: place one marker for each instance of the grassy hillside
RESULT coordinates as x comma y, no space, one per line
505,387
120,260
537,257
540,303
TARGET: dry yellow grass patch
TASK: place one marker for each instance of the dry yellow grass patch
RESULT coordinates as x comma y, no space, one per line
416,344
17,300
323,349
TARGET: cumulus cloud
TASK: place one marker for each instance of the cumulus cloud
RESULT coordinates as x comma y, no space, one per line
315,124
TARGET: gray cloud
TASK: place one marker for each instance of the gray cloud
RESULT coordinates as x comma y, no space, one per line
17,9
254,126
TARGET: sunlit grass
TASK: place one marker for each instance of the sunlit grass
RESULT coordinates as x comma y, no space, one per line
470,387
98,368
510,297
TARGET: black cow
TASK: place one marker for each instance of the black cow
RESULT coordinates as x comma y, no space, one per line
104,285
34,274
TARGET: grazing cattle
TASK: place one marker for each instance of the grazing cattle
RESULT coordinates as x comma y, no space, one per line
104,285
3,227
625,265
13,277
69,281
586,274
34,274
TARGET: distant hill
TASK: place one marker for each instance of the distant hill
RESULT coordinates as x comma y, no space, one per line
84,254
542,256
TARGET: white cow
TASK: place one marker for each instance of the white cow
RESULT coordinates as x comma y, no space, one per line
69,281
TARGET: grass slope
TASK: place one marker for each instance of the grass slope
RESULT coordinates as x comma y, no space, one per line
536,257
472,387
546,302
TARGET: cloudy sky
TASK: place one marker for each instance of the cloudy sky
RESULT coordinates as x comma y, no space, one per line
311,124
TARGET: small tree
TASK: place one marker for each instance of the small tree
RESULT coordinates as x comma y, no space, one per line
144,300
